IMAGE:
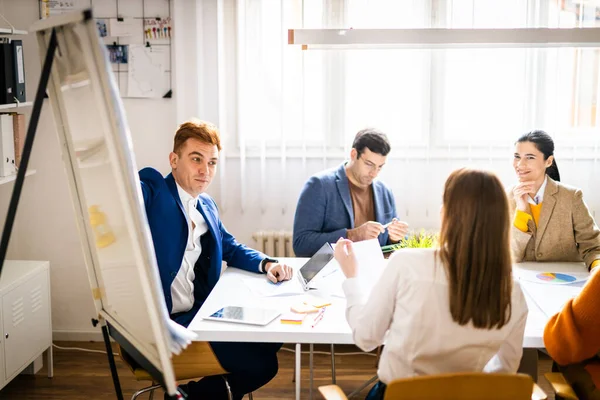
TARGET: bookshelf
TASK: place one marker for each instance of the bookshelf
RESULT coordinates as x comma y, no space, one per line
8,179
12,106
9,31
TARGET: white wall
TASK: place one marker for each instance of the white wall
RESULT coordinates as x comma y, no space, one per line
45,224
46,228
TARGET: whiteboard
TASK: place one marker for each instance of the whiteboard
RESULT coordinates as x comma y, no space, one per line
103,177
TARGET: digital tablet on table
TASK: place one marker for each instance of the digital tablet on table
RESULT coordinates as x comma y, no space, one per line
244,315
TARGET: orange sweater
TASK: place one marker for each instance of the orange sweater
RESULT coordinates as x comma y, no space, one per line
573,335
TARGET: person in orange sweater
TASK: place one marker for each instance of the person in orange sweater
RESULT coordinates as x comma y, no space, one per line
572,339
551,222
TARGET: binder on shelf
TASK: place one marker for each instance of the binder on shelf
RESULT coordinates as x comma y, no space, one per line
7,146
7,77
18,71
19,136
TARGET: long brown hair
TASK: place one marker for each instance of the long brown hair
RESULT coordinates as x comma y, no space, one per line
475,248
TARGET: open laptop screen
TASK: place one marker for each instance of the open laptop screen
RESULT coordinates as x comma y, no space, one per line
316,263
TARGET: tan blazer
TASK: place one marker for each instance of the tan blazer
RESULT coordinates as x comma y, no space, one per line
566,231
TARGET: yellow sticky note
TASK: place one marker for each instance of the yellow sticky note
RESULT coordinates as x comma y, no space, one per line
292,318
317,302
303,308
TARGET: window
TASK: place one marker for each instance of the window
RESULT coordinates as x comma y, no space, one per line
449,97
571,75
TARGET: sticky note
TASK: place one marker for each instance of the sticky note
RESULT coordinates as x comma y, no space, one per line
303,308
317,302
292,318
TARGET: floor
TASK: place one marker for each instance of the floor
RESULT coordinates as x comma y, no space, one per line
85,375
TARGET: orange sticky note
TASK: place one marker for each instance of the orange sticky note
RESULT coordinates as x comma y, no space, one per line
292,318
317,302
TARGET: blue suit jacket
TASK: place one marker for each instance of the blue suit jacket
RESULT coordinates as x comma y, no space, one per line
325,212
168,224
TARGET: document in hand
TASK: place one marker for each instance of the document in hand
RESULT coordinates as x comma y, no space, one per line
370,267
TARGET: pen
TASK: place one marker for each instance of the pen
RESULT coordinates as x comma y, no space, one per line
329,273
319,317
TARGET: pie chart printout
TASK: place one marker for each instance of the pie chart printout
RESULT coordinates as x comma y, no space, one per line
552,277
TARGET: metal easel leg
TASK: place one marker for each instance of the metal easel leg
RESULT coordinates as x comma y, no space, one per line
111,363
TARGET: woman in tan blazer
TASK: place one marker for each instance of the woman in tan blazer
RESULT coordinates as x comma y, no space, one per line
552,222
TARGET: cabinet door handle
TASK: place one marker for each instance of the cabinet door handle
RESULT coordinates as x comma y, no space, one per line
6,335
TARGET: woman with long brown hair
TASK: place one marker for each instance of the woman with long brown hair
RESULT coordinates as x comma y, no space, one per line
451,309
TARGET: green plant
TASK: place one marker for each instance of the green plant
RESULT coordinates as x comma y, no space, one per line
420,240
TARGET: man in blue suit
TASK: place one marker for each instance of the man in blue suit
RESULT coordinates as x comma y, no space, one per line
347,201
190,243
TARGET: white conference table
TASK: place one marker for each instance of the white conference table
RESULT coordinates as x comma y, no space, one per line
232,290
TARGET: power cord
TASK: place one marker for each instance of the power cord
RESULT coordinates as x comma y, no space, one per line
82,349
326,353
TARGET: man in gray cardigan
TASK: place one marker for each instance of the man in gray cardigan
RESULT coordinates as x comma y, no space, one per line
347,201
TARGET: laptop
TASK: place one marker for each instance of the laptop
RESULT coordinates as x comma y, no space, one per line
313,266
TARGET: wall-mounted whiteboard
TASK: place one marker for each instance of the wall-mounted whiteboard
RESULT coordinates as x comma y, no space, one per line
138,35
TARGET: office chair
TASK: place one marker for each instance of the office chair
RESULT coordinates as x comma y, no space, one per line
560,385
463,386
204,363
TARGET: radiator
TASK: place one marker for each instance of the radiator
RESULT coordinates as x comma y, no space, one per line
274,243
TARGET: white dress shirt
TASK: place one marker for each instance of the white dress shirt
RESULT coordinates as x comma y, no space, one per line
410,304
182,288
539,196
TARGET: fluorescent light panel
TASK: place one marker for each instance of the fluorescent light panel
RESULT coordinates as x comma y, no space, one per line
443,38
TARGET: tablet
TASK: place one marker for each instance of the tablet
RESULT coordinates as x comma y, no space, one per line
316,263
244,315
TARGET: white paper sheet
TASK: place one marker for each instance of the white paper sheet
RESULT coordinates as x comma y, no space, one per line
181,337
550,298
146,73
56,7
263,287
126,27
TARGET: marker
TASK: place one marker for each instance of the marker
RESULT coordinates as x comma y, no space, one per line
319,317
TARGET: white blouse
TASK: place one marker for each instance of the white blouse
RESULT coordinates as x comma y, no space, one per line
410,304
